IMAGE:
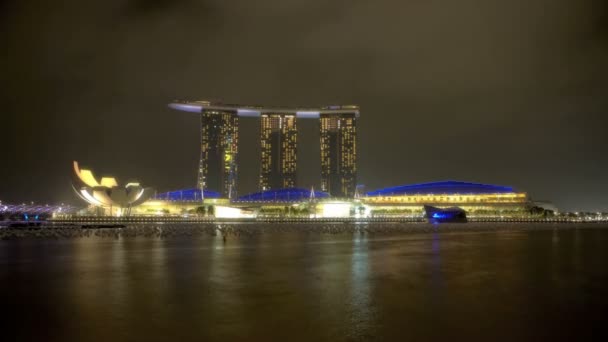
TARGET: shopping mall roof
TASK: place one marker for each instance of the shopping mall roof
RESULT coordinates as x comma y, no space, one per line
282,195
445,187
186,195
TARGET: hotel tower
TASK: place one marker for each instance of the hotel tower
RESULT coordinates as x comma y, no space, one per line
218,167
278,142
338,154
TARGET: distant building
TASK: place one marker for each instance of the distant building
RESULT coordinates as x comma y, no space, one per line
339,153
278,141
218,165
546,205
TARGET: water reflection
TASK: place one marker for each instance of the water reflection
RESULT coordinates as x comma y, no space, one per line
362,313
436,261
292,286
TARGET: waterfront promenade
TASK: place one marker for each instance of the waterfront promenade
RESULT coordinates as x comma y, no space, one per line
387,219
235,229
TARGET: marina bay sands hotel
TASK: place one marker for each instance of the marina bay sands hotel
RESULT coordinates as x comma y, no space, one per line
218,165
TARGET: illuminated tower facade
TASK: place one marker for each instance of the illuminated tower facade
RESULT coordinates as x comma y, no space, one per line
278,145
278,141
217,169
338,133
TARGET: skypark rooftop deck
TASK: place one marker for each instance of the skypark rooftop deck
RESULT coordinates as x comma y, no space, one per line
257,111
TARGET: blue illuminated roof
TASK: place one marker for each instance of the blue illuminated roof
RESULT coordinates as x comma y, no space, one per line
186,195
282,195
446,187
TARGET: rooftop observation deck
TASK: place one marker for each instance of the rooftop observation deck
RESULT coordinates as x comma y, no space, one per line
257,111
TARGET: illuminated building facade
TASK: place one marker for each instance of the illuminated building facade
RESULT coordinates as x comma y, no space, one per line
278,141
449,201
218,166
339,153
474,198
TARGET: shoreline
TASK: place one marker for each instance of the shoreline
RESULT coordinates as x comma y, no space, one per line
311,220
240,230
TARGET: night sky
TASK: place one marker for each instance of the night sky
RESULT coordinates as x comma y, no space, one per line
511,92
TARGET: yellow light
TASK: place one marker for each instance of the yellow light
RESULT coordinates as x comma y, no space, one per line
336,209
86,176
109,182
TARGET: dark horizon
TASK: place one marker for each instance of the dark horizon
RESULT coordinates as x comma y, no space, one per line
508,93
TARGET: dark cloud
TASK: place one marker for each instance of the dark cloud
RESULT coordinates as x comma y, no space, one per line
144,6
492,91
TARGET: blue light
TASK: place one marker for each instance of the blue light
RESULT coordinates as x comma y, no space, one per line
442,215
446,187
187,195
27,218
282,195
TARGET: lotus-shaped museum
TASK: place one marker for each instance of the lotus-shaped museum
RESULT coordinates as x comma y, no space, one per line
106,193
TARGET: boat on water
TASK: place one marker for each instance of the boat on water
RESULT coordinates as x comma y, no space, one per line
439,215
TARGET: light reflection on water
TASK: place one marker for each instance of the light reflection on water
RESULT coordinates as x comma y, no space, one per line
289,286
362,311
